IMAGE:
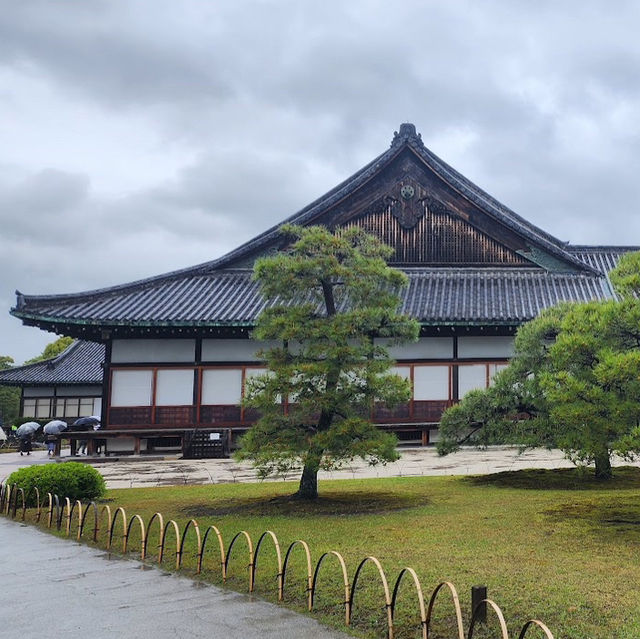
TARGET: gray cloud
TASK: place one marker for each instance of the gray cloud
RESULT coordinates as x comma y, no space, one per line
146,136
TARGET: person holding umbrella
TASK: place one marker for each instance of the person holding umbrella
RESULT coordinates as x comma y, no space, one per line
84,424
52,429
25,435
25,445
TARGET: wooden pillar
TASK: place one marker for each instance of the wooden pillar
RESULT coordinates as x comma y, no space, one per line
136,450
425,436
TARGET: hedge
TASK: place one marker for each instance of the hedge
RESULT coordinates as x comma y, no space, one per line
71,479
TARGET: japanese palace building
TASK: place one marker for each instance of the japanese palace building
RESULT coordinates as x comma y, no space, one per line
177,348
67,386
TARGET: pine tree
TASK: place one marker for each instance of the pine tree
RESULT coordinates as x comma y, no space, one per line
332,306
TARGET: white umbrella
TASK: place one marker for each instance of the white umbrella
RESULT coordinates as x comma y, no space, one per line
28,428
55,427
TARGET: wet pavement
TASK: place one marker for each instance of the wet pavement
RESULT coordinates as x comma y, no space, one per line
141,471
133,472
58,588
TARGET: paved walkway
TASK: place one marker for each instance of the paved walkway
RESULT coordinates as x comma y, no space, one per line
58,588
414,462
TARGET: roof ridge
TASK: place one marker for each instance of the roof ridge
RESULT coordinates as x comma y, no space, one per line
600,247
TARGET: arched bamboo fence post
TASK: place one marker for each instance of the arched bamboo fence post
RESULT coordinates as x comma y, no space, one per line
6,498
223,566
14,510
164,538
305,547
49,509
250,546
345,578
8,492
142,535
416,582
77,503
539,624
192,523
66,509
3,495
61,513
53,499
12,500
112,527
160,519
38,504
456,605
25,499
385,585
496,609
91,504
269,533
106,508
13,491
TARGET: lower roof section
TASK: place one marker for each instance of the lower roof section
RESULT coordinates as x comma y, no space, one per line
232,301
80,363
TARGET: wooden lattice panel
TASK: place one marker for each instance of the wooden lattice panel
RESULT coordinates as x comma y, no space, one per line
219,414
174,415
438,237
130,416
402,411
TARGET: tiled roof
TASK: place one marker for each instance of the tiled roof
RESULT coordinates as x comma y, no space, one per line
407,138
601,258
496,296
434,295
221,293
80,363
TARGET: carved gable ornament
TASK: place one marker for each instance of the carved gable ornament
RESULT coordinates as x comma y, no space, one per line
406,203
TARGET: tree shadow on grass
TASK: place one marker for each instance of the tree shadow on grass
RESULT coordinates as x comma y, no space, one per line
624,478
331,505
618,513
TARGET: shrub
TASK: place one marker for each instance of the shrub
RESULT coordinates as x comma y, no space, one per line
71,479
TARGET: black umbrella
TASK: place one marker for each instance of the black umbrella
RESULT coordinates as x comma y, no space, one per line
86,423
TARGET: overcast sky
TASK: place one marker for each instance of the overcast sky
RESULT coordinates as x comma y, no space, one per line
140,136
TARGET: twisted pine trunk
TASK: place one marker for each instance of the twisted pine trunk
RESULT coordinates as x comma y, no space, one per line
603,465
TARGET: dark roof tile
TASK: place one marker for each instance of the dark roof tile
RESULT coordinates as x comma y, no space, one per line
80,363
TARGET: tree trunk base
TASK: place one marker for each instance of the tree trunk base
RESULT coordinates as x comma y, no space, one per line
604,471
308,488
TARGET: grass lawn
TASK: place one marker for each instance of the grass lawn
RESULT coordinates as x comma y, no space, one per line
554,545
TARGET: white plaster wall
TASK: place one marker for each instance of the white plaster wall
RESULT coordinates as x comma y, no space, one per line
174,387
430,383
40,391
222,386
79,391
471,378
131,388
232,350
481,346
424,348
143,351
